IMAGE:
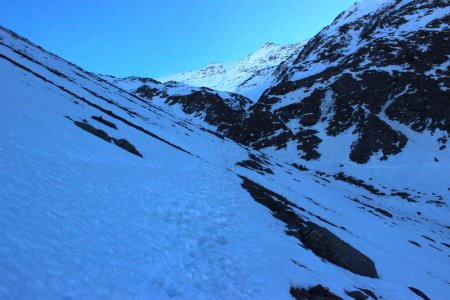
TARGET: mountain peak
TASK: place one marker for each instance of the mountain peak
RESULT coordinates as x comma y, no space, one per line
248,76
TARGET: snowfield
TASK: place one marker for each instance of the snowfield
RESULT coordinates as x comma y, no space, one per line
82,218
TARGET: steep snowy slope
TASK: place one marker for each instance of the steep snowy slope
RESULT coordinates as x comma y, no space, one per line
82,218
106,195
249,76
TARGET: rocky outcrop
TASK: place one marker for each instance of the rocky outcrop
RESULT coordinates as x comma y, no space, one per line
419,293
223,110
215,109
318,239
104,122
315,292
260,129
95,131
126,145
122,143
357,295
257,164
375,136
327,245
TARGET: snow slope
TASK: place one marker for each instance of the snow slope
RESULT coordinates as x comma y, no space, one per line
249,76
83,216
84,219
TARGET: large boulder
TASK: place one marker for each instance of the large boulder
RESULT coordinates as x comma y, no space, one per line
326,244
318,239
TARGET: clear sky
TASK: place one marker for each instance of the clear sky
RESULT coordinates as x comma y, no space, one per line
160,37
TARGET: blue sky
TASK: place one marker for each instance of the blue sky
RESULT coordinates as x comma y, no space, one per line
154,38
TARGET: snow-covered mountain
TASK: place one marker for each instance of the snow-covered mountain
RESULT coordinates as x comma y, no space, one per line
357,85
374,84
184,192
370,88
249,76
220,110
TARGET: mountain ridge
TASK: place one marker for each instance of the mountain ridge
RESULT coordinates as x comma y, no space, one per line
248,76
309,125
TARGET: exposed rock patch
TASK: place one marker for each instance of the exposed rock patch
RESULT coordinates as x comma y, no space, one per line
122,143
126,145
419,293
104,122
326,244
95,131
357,295
316,292
318,239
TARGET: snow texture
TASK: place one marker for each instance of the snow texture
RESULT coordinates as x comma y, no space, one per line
81,218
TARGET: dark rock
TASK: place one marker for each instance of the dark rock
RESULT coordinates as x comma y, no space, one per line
124,144
300,167
91,129
415,243
260,128
357,295
358,182
369,293
307,111
384,212
220,136
327,245
380,210
215,109
404,195
280,207
445,244
428,238
148,92
317,292
320,240
375,136
308,144
419,293
105,122
255,163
